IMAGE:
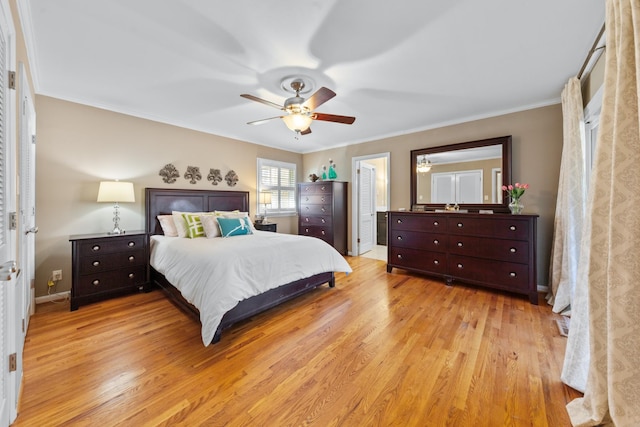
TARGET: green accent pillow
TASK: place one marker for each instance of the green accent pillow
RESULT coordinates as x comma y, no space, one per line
234,226
194,226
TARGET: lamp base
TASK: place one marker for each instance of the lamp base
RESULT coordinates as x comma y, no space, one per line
117,230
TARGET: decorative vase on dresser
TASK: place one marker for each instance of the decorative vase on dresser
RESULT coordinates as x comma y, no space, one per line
107,265
490,250
322,212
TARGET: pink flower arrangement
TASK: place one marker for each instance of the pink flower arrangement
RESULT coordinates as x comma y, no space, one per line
515,191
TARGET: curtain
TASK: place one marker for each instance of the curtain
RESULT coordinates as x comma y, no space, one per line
567,227
612,392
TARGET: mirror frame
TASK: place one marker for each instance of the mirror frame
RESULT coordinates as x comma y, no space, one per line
504,141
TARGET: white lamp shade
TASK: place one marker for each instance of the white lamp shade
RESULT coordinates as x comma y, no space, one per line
297,122
116,192
264,198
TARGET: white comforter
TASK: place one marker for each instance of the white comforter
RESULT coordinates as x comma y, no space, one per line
215,274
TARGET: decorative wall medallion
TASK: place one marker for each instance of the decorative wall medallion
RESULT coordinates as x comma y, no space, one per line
215,176
169,173
193,174
232,178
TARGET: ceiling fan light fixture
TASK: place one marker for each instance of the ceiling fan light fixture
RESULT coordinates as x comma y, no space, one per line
297,122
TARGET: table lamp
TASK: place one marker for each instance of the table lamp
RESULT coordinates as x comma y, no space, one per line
116,192
264,198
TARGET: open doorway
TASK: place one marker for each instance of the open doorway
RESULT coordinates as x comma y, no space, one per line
370,202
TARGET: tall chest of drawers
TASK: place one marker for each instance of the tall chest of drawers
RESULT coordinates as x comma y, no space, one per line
105,266
322,212
491,250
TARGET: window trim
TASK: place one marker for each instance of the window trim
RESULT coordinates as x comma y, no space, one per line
259,187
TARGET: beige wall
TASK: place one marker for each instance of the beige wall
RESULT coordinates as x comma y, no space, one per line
537,147
78,146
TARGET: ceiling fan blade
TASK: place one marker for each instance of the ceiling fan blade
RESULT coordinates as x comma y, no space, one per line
263,101
307,131
261,121
347,120
321,96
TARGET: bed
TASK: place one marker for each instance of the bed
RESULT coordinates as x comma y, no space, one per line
293,278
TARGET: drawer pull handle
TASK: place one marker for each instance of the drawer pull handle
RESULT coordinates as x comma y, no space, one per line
513,274
460,266
460,225
436,223
322,232
131,275
399,237
323,188
512,228
436,242
322,198
322,220
323,209
399,256
436,262
460,244
399,221
96,263
306,219
306,230
95,248
513,250
131,244
132,258
96,282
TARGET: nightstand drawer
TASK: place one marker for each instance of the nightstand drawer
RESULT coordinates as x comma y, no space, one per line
111,280
110,245
96,263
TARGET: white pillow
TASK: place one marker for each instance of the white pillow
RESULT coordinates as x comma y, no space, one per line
168,226
181,224
211,226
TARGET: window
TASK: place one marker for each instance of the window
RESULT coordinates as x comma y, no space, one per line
279,178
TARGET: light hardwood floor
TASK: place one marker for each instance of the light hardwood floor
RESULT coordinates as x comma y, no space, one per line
378,350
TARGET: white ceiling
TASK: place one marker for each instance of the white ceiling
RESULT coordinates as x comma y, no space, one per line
398,66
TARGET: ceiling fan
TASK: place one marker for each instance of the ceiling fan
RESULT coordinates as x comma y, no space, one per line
300,112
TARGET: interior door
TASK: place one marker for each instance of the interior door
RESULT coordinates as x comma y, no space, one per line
367,207
8,398
469,187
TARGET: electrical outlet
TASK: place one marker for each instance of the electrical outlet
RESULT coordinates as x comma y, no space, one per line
56,275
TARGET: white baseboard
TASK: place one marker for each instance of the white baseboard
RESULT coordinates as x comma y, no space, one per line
60,296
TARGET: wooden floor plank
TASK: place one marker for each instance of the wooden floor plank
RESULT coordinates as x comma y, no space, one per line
379,349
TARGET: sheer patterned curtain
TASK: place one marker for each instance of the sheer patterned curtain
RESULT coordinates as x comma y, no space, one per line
612,392
570,205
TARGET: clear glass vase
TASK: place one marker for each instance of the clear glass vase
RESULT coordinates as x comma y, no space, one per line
516,207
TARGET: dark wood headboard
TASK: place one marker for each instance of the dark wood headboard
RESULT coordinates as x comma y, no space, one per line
162,201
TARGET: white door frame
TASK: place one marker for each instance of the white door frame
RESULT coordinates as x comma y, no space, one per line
355,210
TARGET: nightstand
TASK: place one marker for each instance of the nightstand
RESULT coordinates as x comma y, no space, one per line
108,265
269,226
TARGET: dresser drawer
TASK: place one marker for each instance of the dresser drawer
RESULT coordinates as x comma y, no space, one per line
434,262
111,280
508,228
314,220
419,222
428,241
315,188
325,233
504,275
315,209
110,245
315,199
482,247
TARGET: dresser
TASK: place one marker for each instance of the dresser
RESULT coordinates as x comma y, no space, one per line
106,265
322,212
491,250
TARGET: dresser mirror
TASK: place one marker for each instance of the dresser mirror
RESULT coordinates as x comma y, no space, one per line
469,174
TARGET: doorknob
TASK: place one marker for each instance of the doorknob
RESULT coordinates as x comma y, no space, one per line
6,270
33,230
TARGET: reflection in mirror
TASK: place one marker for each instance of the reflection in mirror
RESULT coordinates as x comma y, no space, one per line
470,174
